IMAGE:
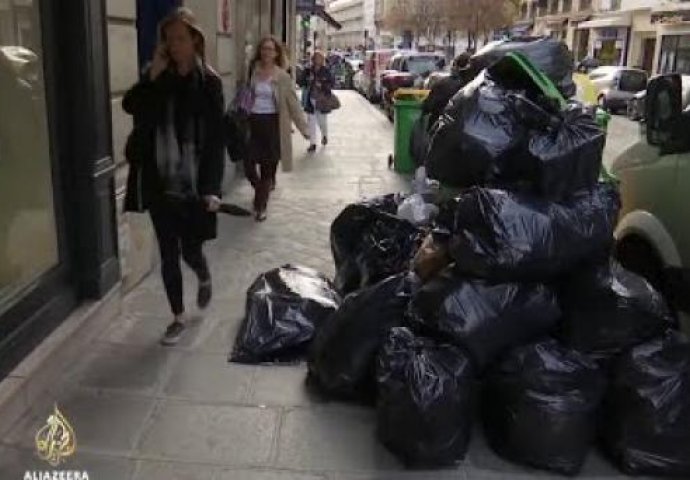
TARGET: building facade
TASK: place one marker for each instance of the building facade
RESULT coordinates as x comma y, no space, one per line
64,67
351,15
648,34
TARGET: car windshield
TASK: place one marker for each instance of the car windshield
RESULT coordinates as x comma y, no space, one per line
420,65
633,81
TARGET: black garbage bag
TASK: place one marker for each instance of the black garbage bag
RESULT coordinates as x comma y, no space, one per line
607,310
567,153
646,418
425,392
285,307
549,55
343,356
510,236
540,406
369,243
479,130
483,317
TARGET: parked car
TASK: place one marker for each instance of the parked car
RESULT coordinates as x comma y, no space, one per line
653,234
407,70
375,63
636,105
616,85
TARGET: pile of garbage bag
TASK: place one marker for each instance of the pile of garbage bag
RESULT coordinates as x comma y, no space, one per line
505,133
284,309
540,406
505,294
608,310
551,56
426,392
343,357
646,426
370,242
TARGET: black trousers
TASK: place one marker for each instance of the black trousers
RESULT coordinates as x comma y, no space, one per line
176,240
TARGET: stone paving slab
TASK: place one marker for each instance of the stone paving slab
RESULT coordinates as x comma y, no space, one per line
145,412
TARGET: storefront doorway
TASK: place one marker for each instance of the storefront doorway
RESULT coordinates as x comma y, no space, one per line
648,49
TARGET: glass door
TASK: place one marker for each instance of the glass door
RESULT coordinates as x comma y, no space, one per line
28,231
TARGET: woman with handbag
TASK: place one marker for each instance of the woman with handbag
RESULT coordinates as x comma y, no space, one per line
319,99
176,156
273,107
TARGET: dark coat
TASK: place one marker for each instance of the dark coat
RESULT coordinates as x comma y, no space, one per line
309,79
442,92
146,102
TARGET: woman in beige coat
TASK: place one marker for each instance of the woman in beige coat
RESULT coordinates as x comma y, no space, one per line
274,107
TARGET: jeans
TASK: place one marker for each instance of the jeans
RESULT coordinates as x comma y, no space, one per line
170,222
320,119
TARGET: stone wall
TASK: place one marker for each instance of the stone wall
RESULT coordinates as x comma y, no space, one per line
136,239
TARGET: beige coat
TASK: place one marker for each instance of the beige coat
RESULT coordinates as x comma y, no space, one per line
289,111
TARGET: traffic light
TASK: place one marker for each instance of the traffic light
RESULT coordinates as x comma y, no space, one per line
306,21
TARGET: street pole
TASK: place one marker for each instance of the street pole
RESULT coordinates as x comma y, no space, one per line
306,22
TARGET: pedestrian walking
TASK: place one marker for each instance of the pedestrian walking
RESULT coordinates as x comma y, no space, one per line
274,107
444,90
176,156
318,83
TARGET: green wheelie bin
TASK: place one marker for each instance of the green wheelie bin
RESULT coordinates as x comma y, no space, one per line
408,108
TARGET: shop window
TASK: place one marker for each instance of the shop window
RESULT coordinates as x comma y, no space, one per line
553,7
28,234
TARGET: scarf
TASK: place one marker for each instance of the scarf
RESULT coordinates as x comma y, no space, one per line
178,140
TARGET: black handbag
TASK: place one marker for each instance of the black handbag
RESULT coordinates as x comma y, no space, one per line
236,133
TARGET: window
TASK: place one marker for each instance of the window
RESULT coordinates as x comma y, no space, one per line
28,235
585,5
567,6
553,6
675,54
632,81
421,65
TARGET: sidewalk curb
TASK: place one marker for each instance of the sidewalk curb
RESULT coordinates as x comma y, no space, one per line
35,375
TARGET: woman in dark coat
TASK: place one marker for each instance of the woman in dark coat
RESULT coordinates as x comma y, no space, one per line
317,79
176,156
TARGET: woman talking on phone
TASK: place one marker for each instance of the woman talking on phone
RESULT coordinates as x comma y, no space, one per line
176,156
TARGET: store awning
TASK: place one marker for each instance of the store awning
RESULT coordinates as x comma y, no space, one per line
607,22
320,12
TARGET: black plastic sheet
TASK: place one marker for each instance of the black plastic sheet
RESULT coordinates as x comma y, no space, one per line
482,317
567,154
425,400
479,131
511,236
369,243
343,356
540,406
607,310
549,55
285,307
646,421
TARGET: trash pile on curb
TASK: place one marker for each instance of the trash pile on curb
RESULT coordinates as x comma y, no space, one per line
504,298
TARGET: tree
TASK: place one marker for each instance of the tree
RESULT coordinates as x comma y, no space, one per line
424,18
479,17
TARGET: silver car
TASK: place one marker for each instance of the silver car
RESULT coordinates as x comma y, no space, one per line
617,85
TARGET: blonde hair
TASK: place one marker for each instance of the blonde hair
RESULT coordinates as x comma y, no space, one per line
185,16
281,58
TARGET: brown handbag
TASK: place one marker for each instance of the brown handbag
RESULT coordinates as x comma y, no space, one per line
325,102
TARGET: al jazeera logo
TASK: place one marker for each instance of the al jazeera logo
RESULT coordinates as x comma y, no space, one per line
55,443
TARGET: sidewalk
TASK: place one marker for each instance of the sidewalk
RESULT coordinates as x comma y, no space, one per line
144,412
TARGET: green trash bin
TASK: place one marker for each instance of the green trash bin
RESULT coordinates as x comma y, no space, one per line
408,108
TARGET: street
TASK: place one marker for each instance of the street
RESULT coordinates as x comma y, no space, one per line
141,411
